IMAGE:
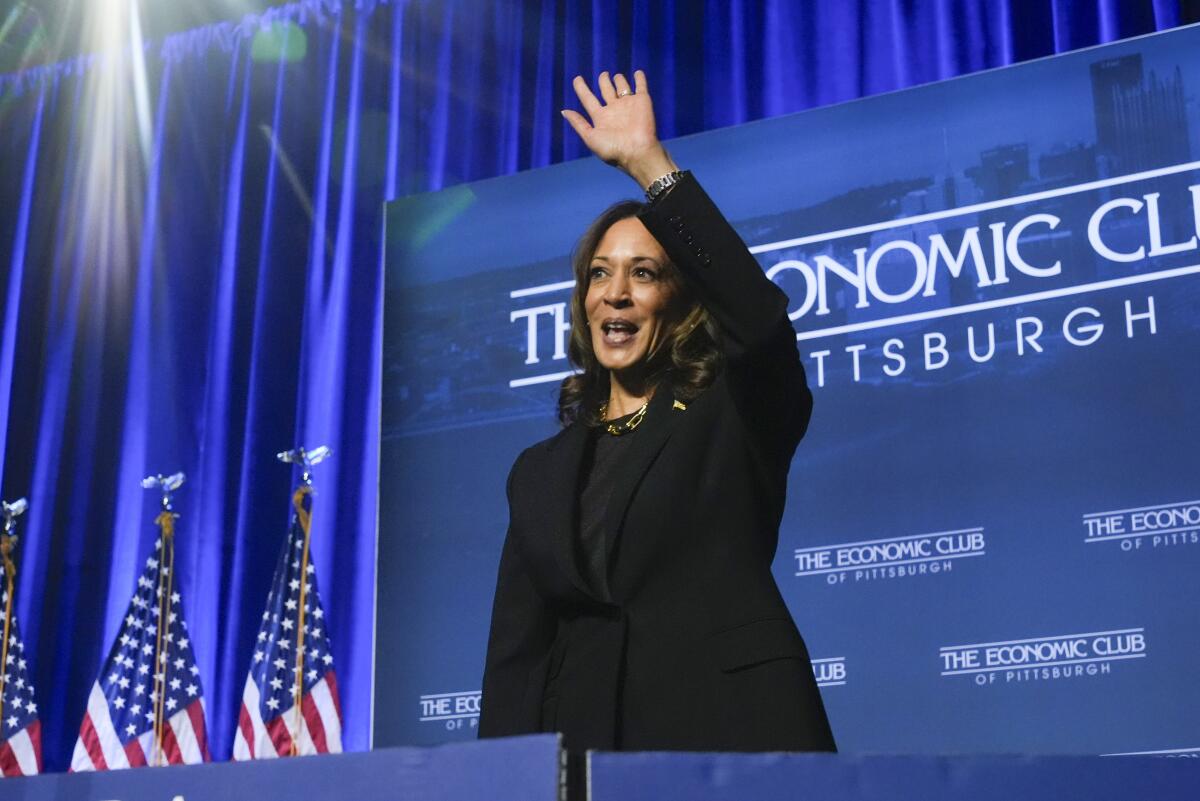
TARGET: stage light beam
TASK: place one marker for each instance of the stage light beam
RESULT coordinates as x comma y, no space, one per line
115,146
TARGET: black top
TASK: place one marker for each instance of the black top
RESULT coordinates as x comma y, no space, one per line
694,648
598,474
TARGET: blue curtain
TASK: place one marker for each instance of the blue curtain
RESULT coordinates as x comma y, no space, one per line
190,273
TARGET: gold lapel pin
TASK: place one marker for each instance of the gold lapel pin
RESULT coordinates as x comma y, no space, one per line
680,405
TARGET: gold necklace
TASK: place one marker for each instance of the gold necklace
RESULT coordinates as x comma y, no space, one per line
623,428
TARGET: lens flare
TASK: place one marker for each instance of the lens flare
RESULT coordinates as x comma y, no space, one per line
115,145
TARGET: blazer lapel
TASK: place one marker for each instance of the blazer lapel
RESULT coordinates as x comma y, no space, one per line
562,501
654,432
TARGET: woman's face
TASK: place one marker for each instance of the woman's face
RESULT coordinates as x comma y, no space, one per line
628,296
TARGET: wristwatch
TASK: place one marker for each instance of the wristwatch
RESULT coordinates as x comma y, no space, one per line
660,185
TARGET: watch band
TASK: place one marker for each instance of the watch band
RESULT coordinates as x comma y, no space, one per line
660,185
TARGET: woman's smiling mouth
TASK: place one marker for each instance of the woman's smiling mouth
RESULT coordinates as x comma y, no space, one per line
618,331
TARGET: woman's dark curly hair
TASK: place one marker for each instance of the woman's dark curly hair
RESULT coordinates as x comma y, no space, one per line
687,357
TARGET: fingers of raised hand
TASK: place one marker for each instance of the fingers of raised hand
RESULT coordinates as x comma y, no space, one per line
607,90
639,82
621,85
590,104
578,122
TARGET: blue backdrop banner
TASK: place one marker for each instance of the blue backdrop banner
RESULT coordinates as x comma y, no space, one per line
992,536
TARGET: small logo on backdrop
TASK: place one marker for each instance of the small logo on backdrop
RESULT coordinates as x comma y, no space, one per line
1145,527
452,710
893,557
830,672
1063,656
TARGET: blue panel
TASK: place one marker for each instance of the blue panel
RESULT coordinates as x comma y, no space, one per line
513,769
763,777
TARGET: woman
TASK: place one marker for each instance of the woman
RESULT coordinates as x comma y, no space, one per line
635,607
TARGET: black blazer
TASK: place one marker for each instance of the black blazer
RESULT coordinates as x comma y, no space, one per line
690,646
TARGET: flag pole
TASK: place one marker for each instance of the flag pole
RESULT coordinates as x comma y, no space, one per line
304,517
8,541
166,579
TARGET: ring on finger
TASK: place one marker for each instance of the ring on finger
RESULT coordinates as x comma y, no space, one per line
624,92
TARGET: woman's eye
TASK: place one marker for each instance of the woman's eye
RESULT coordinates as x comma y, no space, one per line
644,273
595,272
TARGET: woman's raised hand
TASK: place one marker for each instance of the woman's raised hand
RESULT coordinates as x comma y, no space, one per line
621,130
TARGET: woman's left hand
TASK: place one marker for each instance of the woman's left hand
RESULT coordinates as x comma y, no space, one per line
622,130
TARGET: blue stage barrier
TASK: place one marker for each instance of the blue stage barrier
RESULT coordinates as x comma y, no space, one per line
759,777
512,769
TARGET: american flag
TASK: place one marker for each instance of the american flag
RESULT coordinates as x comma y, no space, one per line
137,715
292,658
20,729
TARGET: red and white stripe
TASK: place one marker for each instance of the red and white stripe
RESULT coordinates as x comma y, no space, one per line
184,739
320,722
21,754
